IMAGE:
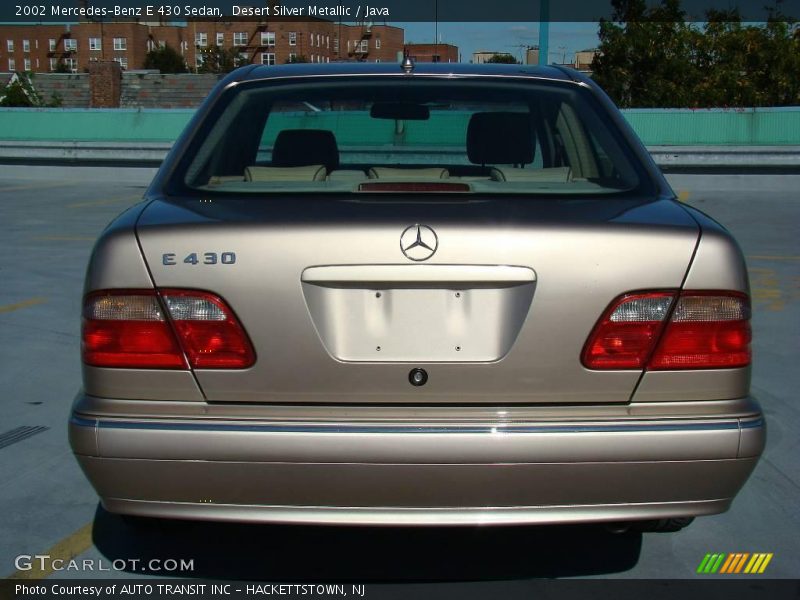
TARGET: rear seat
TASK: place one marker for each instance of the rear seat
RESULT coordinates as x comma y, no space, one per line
551,175
408,174
507,139
309,173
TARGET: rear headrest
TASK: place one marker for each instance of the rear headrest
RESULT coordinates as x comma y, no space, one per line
500,138
303,147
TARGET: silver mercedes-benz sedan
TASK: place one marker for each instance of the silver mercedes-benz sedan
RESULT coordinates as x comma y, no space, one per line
415,295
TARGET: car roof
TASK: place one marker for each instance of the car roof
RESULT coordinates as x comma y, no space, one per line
394,68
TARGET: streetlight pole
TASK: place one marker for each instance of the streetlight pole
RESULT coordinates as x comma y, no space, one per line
544,31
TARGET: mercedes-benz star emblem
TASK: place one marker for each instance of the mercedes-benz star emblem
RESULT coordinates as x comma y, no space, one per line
419,242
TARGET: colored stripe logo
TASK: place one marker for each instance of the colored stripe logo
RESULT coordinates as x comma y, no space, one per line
734,563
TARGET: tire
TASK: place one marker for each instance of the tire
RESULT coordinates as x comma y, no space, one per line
663,525
145,524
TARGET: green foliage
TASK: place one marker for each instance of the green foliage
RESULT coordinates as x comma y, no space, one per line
503,59
300,58
56,101
19,92
165,59
221,60
653,58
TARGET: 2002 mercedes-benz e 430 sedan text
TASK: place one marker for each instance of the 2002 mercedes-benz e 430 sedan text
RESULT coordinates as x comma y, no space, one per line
388,294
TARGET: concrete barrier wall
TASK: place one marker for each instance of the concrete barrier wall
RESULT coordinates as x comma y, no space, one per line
71,89
665,127
150,90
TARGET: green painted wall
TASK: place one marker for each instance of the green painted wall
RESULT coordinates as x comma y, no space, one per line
746,127
763,126
86,125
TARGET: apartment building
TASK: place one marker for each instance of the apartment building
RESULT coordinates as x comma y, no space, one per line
71,47
433,53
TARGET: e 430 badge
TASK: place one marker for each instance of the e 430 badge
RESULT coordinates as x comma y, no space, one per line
170,259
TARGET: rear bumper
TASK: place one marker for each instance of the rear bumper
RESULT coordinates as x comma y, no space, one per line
552,471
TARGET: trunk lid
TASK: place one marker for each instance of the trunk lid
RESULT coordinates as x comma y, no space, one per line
341,300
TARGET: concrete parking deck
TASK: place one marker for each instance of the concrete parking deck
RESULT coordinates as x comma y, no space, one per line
49,217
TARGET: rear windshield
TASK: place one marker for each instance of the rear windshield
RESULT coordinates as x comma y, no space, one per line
408,134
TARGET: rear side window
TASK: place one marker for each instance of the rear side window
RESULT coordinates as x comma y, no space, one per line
400,134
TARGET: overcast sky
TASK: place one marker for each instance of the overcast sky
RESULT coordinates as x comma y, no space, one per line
565,38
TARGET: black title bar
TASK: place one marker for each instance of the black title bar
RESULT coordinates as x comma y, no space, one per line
377,11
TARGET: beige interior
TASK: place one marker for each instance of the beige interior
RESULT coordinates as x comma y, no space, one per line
550,175
309,173
401,174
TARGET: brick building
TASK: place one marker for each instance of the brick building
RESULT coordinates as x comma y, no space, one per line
49,48
446,53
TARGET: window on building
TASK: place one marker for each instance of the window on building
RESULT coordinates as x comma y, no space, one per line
199,59
12,64
292,57
95,44
267,38
327,41
53,64
51,44
240,38
71,64
244,58
162,44
201,40
319,40
267,58
27,64
26,45
70,45
220,39
122,60
336,44
10,45
377,43
377,60
293,38
363,46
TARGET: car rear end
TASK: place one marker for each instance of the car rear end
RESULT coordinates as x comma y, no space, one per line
373,297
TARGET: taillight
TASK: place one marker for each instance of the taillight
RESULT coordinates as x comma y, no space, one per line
705,330
129,329
208,330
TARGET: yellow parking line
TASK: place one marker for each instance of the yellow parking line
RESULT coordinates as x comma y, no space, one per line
64,238
24,304
105,202
67,549
764,257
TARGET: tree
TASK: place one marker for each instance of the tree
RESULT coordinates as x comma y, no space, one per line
653,58
165,59
504,59
298,58
220,60
20,92
645,54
